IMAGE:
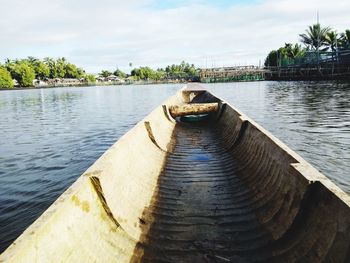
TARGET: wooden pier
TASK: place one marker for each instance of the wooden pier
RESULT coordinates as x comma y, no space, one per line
312,66
321,72
227,74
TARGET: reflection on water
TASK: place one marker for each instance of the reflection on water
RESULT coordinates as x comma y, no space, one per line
50,136
321,114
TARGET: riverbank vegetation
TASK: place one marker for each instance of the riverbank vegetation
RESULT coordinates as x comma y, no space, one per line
5,79
59,72
181,72
317,43
23,72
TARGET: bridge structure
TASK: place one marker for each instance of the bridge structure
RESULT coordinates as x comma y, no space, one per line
227,74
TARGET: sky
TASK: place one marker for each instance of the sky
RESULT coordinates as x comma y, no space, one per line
110,34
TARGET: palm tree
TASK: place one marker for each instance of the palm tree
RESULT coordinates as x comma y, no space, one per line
345,39
293,51
9,65
51,63
32,60
315,37
332,40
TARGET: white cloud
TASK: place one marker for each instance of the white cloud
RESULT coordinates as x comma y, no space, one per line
107,33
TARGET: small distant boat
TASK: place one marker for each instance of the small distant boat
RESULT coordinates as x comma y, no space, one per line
195,181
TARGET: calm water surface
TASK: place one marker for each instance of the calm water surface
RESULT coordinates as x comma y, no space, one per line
51,136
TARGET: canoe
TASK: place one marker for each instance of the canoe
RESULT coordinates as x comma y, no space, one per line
219,189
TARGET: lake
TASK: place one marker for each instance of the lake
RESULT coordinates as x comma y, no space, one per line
51,136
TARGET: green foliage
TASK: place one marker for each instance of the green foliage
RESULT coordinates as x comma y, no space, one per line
23,73
292,51
51,64
105,73
5,78
80,73
25,70
32,60
144,73
160,74
181,71
119,73
48,68
271,59
57,67
42,71
71,71
344,40
284,55
90,78
317,40
332,40
315,37
61,67
10,65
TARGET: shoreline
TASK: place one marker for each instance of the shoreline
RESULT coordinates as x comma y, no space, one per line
102,84
164,82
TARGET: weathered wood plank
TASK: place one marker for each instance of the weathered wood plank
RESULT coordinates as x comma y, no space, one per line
193,109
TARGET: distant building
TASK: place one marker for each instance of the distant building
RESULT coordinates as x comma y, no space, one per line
111,77
38,82
100,79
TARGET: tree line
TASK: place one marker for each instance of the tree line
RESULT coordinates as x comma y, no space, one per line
183,71
315,39
24,71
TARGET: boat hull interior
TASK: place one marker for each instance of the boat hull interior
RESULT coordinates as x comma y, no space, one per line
220,189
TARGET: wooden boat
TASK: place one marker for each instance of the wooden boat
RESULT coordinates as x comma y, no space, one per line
220,189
